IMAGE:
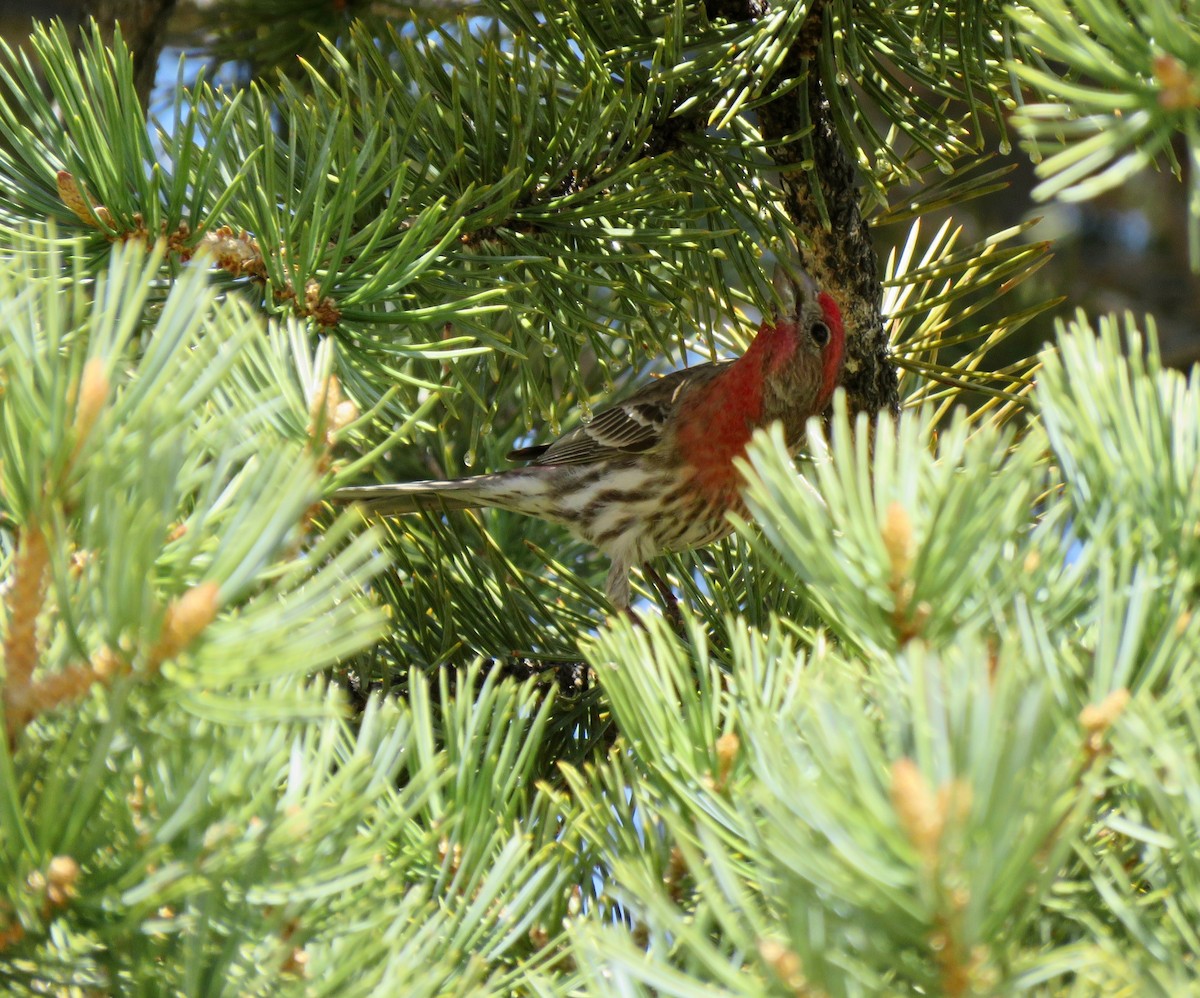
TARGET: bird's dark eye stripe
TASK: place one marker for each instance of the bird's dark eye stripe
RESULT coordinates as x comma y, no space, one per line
819,333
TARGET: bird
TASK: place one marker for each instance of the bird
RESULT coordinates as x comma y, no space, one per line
656,473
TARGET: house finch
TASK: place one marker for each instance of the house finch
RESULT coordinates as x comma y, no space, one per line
656,472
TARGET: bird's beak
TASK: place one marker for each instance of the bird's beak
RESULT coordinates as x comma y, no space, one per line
792,286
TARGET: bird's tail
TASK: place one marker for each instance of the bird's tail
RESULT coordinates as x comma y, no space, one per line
501,489
409,497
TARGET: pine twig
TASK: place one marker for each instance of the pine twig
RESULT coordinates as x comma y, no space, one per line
237,253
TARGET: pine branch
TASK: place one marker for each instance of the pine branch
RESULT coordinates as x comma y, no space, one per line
1129,92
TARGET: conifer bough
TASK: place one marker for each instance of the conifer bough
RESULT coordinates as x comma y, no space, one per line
656,473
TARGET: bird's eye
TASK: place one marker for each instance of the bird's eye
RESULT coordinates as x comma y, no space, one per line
819,333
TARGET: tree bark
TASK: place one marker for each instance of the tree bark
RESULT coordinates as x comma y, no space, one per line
142,26
839,254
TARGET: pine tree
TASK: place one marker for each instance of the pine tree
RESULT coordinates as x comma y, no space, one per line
931,725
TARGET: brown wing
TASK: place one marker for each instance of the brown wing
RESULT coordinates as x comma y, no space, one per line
629,427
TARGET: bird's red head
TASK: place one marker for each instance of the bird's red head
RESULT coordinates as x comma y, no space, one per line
804,347
835,350
787,374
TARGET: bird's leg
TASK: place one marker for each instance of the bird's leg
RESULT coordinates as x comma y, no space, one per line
617,591
616,588
670,603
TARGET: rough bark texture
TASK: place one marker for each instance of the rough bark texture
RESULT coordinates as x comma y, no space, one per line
143,26
840,257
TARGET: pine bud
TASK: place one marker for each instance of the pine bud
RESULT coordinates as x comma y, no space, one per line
185,618
93,393
898,540
727,747
73,197
916,807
